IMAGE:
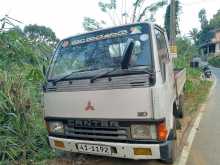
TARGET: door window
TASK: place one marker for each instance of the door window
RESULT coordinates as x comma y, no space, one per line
162,52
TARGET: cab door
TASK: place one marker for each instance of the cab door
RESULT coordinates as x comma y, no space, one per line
166,86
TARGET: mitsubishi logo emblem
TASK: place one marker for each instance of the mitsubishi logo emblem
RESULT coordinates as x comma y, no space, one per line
89,107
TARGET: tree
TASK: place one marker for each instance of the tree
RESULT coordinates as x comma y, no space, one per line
194,34
186,50
168,18
208,27
41,34
215,21
43,39
119,14
203,18
90,24
16,49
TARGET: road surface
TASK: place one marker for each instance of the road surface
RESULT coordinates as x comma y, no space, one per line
206,145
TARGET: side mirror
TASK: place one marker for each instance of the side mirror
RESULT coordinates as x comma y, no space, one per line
166,60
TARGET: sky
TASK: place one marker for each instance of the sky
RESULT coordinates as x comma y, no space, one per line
65,16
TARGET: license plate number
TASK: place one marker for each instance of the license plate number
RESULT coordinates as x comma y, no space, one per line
92,148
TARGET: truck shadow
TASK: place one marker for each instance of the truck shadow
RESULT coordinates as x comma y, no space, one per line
80,159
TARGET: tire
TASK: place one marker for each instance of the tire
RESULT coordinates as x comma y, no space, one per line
174,128
180,108
173,152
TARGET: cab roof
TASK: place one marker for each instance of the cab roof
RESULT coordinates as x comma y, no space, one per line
114,27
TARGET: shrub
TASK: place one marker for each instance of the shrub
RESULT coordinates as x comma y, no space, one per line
22,133
215,61
22,136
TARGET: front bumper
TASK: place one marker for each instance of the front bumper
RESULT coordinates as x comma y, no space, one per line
124,150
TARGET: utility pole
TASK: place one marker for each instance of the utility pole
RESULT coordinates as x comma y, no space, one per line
173,27
6,23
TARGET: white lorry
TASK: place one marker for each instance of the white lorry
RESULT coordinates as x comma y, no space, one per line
113,92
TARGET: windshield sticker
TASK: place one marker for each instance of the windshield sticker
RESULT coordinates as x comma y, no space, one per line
99,37
136,30
144,37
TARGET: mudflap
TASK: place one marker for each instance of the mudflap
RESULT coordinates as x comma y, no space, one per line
168,152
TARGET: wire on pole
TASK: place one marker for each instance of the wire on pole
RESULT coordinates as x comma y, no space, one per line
8,21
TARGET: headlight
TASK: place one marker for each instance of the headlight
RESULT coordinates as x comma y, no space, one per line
55,127
143,131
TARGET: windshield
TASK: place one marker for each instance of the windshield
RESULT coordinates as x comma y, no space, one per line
101,51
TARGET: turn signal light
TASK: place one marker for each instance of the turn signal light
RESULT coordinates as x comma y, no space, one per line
59,144
142,151
162,131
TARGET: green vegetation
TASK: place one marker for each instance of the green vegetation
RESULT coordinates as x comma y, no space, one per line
215,61
207,26
22,131
196,89
118,13
185,50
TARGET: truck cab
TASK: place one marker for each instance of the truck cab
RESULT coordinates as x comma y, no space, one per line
113,92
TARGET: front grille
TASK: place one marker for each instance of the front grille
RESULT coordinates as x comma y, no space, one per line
97,132
120,82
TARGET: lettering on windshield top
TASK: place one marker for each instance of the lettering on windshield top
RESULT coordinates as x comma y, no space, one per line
99,37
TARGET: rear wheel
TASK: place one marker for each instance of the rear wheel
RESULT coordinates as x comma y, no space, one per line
180,108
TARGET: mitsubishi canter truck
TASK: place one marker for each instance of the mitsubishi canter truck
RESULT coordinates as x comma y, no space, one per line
113,92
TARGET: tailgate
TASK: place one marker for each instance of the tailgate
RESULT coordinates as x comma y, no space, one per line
180,79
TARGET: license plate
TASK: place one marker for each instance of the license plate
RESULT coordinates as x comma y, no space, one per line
92,148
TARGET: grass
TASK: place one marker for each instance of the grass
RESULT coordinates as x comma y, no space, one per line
215,61
23,137
193,99
196,90
41,151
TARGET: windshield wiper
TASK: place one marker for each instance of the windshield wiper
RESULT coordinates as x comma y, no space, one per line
103,74
149,72
68,75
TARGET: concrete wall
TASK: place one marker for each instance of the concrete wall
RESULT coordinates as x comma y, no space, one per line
217,48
